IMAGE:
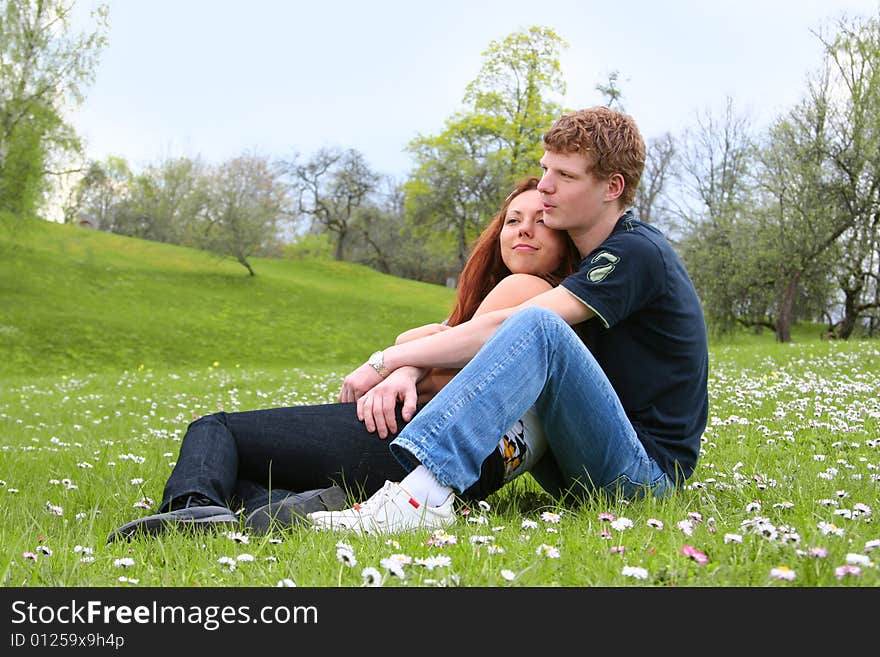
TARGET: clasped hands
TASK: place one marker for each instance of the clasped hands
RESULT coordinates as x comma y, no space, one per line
377,397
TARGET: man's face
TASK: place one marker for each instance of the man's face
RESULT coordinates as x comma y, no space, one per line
573,198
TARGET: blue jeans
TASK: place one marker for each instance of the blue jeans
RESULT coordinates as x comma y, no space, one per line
533,359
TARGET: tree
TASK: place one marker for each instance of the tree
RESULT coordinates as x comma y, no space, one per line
716,212
99,193
798,212
163,203
459,179
716,161
822,176
248,199
612,92
510,95
331,187
463,174
853,59
167,202
385,241
653,204
728,262
44,69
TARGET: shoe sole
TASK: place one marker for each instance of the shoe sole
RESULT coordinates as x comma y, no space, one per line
377,527
153,526
283,516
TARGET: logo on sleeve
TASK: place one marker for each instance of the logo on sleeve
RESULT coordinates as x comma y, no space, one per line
607,262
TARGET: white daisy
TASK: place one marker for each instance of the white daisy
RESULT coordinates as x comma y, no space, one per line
635,572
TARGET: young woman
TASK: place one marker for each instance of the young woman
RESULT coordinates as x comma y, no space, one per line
281,463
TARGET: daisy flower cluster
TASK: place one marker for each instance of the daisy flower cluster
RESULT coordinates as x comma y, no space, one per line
787,481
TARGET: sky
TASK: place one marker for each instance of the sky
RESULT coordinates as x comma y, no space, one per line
217,78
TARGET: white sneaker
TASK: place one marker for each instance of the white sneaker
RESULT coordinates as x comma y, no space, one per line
391,509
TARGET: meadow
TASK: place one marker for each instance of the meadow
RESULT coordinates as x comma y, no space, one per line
110,347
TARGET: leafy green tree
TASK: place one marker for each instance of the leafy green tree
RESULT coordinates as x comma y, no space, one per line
44,69
462,174
458,181
800,212
99,193
164,203
167,203
821,178
758,237
728,261
511,95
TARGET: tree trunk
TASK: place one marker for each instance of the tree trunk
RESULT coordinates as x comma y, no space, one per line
785,317
875,321
246,265
850,314
384,266
340,246
462,245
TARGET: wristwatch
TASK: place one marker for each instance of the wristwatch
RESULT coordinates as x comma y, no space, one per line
377,362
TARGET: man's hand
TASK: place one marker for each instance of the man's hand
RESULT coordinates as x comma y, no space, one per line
376,408
356,384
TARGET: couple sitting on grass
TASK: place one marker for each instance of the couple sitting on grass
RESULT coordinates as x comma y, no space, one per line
576,351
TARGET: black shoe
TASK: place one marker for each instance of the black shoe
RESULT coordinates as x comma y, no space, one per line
193,517
193,499
292,509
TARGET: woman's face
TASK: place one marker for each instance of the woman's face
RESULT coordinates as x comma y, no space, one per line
527,245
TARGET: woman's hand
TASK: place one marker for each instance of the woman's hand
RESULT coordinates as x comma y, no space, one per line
356,384
376,408
420,332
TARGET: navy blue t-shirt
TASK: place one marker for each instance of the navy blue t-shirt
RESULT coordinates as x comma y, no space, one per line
649,336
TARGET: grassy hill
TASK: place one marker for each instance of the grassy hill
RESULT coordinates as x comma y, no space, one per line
76,300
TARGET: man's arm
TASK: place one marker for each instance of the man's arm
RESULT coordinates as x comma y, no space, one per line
454,347
511,291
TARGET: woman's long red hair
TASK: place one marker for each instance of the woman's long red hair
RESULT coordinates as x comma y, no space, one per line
485,268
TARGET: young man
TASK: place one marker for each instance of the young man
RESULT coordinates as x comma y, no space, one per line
623,401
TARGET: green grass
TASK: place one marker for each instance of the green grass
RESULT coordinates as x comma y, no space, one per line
789,470
75,300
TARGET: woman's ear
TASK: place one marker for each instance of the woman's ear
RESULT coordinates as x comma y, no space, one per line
615,187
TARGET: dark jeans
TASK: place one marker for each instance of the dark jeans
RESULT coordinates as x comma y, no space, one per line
249,458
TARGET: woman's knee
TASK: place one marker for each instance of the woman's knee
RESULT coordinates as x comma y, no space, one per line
212,419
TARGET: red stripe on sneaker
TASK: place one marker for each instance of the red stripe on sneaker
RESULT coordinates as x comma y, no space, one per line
414,503
357,507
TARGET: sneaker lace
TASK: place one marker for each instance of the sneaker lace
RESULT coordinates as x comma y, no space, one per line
378,499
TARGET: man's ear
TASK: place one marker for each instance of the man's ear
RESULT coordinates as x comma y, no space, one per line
615,187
